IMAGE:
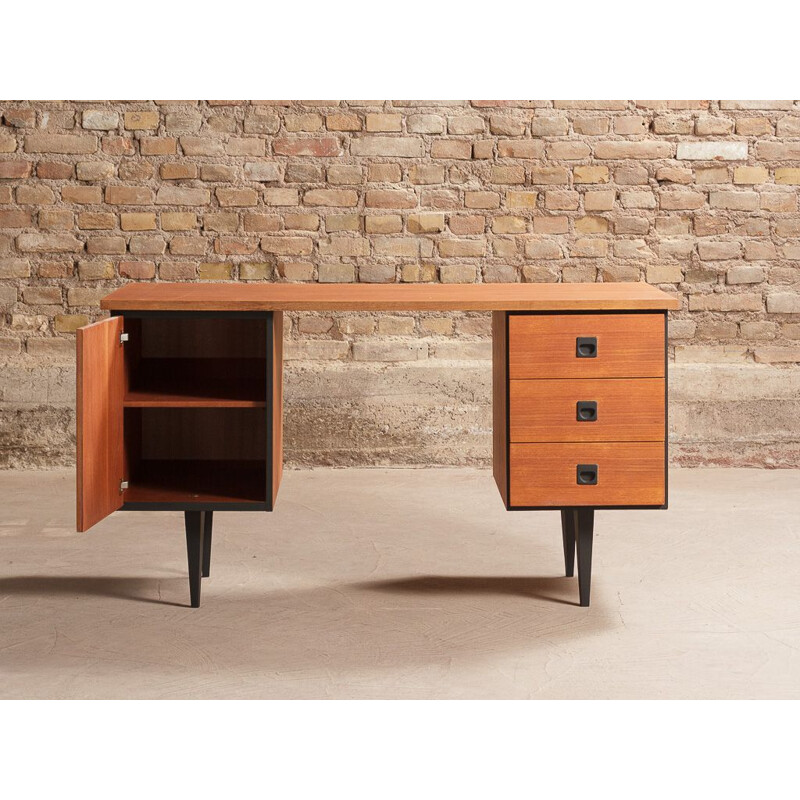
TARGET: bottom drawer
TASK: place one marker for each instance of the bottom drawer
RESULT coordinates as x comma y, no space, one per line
587,474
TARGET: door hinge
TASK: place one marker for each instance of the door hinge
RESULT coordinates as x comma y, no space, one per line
123,337
123,485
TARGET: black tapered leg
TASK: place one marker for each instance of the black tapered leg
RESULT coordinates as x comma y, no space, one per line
195,524
208,522
568,537
584,535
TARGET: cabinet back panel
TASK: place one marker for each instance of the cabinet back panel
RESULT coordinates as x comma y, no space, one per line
203,434
198,337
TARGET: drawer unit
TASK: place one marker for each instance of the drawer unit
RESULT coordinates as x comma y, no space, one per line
585,346
595,474
591,410
580,409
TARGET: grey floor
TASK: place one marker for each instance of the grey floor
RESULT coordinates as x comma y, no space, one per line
405,584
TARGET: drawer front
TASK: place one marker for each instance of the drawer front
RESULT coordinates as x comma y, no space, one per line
611,474
586,346
592,410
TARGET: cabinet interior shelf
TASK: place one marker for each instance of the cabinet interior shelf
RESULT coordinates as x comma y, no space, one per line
200,481
197,383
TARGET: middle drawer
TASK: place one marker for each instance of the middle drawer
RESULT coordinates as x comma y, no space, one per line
587,410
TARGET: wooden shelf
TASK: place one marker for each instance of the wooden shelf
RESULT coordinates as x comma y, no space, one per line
198,383
179,481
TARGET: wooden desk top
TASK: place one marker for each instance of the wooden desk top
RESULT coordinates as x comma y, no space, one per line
389,297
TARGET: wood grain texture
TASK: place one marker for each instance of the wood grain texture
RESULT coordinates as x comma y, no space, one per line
628,410
629,473
628,346
391,297
277,403
499,403
100,389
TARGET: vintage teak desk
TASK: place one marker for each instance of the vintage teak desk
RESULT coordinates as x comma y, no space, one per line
180,398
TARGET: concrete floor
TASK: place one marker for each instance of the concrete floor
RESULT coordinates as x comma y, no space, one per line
405,584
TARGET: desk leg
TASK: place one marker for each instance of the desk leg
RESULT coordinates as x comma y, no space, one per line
195,526
568,537
584,535
208,521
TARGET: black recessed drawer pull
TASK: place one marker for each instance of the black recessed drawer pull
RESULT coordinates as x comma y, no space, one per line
587,474
586,347
587,411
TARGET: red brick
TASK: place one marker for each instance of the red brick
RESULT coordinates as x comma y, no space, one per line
135,170
96,220
118,146
10,170
237,197
129,195
390,198
60,143
56,220
177,271
83,195
20,117
158,146
55,170
15,219
327,146
451,148
330,197
466,224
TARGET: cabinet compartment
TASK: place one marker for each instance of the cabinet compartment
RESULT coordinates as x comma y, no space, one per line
179,411
176,361
195,455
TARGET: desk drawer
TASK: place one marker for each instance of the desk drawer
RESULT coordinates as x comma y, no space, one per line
592,474
585,346
591,410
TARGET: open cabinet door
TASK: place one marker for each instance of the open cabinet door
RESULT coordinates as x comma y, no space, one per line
100,395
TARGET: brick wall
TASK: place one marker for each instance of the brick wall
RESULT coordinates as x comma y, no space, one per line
698,197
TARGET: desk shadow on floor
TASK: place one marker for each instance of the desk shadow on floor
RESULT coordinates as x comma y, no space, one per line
266,635
136,589
541,588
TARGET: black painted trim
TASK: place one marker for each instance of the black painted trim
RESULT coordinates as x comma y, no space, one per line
507,390
269,406
184,314
194,507
666,411
598,311
596,507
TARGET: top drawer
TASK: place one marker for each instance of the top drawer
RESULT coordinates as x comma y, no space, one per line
585,346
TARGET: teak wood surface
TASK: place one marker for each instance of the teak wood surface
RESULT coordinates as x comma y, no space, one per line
100,391
628,346
388,297
629,410
499,403
629,474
